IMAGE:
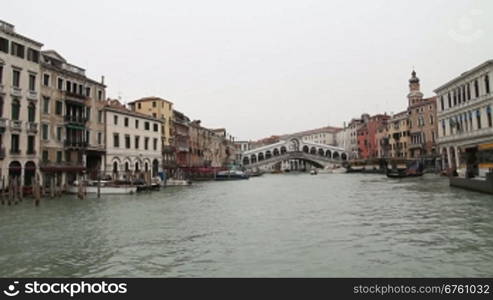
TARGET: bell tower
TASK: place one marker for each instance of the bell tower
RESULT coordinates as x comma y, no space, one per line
415,96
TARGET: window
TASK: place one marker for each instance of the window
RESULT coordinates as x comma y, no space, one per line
100,138
125,122
115,120
139,106
44,129
31,142
31,113
1,74
17,50
137,124
46,79
441,103
154,144
46,105
468,91
488,115
154,115
487,84
68,86
4,45
16,78
146,126
153,103
16,107
45,156
32,55
58,107
100,116
88,113
14,144
476,88
59,156
100,95
146,143
449,100
156,127
137,140
59,133
1,108
431,120
32,82
127,141
60,84
116,140
88,91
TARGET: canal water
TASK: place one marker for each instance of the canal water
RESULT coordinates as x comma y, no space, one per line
328,225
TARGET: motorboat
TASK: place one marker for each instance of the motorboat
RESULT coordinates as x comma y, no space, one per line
105,188
231,175
177,182
313,172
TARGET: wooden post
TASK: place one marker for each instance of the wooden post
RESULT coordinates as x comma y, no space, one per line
52,186
99,184
3,190
11,192
20,190
36,191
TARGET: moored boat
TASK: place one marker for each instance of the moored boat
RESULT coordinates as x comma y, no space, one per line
177,182
106,188
231,175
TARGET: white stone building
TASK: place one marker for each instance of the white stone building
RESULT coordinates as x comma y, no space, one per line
19,102
464,113
133,142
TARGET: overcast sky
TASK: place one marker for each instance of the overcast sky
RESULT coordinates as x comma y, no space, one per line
264,67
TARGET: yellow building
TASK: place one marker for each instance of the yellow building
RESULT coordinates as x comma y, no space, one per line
158,108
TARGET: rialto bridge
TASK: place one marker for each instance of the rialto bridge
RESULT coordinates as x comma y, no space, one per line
293,154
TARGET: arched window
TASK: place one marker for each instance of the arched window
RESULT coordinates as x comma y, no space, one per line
16,107
115,167
127,167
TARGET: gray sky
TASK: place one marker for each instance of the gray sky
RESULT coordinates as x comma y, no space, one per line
264,67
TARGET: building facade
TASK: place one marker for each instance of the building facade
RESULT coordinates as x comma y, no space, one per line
367,135
162,109
19,104
465,122
422,123
181,138
133,142
72,127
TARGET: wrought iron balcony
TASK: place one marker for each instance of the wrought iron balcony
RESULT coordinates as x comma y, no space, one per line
75,119
32,127
75,144
15,125
75,95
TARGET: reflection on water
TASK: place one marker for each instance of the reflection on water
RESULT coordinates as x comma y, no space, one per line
274,225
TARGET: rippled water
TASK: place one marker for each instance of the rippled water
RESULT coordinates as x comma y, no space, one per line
276,225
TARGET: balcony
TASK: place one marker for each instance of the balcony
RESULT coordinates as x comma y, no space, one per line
2,153
466,135
16,92
15,151
416,146
61,166
77,96
3,124
80,120
75,144
32,96
32,127
15,125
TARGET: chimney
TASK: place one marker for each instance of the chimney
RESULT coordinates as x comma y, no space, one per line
102,79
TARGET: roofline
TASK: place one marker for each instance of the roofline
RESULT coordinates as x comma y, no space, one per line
464,74
152,98
131,113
